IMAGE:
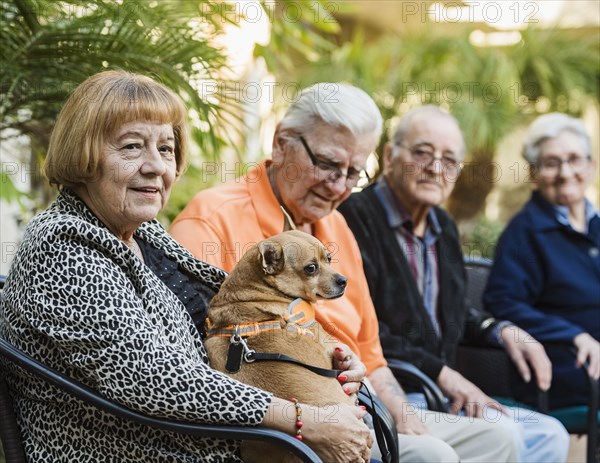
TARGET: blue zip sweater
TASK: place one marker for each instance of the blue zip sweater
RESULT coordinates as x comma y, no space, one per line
546,279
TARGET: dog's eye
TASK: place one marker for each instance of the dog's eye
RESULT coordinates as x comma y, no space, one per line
311,269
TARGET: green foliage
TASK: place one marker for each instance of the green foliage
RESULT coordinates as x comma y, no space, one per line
481,240
9,192
489,89
194,179
298,31
49,47
561,66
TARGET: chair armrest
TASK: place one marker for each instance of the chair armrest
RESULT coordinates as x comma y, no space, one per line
9,431
375,406
594,388
409,375
592,419
92,397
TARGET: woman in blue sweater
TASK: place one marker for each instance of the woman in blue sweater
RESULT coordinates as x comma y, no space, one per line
546,274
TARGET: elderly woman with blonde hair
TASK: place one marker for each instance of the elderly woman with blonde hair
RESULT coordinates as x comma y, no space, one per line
546,273
98,290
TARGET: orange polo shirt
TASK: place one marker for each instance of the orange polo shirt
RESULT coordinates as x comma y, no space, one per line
220,224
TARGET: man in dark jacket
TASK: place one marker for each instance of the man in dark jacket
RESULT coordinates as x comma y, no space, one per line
413,263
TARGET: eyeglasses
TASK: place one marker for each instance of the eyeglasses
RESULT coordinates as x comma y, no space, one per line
552,165
331,172
424,155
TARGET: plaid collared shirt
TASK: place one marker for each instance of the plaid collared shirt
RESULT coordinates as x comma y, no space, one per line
420,253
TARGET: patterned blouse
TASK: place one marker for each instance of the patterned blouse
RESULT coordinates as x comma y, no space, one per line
79,300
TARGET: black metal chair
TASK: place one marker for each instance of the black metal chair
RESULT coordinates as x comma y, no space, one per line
488,367
375,407
491,369
412,378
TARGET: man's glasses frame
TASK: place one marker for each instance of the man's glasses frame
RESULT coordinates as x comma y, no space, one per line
334,173
424,156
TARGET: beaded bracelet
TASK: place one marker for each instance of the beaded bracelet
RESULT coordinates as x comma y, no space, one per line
299,422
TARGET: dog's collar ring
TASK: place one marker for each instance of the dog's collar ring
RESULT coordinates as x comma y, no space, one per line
236,338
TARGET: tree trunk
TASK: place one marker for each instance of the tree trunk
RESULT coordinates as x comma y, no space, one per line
473,186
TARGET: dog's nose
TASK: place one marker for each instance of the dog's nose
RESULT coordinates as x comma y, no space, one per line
341,281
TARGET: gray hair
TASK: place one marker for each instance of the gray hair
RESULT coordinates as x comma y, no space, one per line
549,126
336,104
403,127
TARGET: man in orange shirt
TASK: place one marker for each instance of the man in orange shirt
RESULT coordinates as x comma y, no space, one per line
320,149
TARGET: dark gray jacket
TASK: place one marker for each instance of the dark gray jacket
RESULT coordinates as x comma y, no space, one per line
406,330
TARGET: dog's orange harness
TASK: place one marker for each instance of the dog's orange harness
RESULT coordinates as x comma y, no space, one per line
301,315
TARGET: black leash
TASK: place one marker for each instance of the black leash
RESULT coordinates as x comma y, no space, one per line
382,443
258,356
239,351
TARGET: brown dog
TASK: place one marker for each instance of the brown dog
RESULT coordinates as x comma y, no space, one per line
268,278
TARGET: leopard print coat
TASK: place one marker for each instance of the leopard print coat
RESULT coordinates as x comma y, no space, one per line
79,300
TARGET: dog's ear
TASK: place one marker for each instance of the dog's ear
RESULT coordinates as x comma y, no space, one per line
288,223
272,257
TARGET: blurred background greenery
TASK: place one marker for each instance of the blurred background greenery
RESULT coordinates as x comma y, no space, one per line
495,65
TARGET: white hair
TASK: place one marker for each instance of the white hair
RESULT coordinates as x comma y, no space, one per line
338,105
402,129
549,126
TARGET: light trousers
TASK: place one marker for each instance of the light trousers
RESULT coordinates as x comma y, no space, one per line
521,436
454,438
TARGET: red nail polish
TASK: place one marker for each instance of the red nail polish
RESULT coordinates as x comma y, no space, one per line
342,378
363,407
338,349
347,391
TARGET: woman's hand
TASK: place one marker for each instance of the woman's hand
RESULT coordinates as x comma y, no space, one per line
588,350
337,433
354,370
